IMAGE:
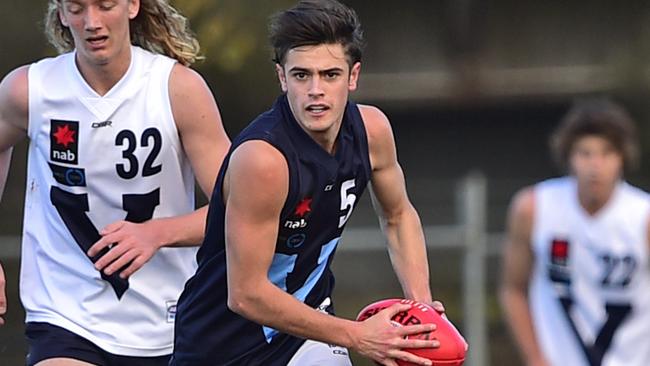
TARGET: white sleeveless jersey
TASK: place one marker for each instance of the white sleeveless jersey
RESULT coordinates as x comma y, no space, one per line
590,290
94,160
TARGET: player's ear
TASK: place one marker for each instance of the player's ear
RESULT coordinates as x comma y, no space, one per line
62,18
282,77
134,8
354,76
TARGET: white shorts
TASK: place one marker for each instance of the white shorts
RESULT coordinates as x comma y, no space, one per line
314,353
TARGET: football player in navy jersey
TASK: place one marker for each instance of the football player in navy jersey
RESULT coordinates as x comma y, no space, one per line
576,277
261,294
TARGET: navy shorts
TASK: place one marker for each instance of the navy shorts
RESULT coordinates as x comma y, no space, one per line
46,341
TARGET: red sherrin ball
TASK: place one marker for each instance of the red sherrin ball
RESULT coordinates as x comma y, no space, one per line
452,344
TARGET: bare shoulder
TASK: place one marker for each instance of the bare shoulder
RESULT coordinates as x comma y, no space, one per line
259,172
187,90
189,93
376,122
523,201
14,98
381,143
258,156
258,163
518,255
16,78
185,78
192,102
522,207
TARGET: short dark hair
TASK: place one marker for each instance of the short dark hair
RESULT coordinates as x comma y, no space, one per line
316,22
600,117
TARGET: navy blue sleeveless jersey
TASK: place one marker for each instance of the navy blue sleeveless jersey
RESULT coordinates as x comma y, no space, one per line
323,190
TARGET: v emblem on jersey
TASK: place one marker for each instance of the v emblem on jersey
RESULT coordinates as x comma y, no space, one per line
73,207
595,352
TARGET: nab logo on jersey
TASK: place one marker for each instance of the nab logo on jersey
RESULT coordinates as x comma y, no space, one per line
303,208
64,141
291,224
559,270
560,252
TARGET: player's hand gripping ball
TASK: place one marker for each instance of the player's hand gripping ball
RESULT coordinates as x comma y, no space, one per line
452,344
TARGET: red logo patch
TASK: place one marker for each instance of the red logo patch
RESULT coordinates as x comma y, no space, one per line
559,251
64,141
64,135
303,207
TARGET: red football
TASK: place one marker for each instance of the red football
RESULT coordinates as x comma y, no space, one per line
452,344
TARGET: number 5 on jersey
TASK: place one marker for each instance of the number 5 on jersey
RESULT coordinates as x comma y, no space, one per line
347,201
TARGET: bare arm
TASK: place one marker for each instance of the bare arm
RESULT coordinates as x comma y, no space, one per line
205,143
13,128
251,227
13,117
518,260
397,216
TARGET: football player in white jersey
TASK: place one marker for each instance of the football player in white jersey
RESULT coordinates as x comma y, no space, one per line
118,126
576,280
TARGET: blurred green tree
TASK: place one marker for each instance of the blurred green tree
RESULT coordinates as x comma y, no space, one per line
233,38
230,31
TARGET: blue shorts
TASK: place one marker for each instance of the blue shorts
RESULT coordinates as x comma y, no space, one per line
46,341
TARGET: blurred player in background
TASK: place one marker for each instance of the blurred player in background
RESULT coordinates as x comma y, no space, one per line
576,279
118,125
282,199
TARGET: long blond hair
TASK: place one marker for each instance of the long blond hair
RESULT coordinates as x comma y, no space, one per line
158,27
